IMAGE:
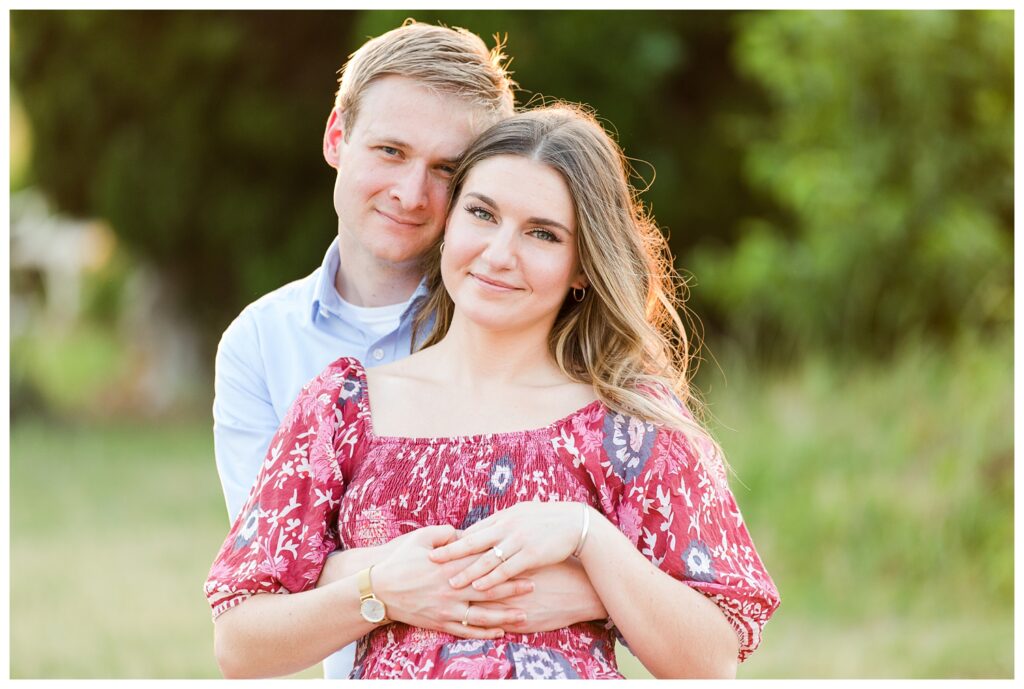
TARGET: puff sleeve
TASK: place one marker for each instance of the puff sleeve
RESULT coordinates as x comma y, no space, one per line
288,525
679,512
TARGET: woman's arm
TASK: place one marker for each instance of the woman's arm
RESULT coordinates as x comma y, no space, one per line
674,630
269,635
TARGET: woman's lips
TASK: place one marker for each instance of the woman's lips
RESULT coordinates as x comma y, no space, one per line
494,284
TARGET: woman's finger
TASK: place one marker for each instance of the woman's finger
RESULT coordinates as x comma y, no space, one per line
467,545
479,526
513,566
481,566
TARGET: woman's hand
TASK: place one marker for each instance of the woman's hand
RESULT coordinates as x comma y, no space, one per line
416,589
528,535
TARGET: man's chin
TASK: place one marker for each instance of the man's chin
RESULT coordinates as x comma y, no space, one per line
400,257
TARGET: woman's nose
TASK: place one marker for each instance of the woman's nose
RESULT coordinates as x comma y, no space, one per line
501,249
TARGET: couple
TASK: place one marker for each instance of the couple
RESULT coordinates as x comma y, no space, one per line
529,484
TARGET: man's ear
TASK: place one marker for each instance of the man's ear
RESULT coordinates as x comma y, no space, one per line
334,135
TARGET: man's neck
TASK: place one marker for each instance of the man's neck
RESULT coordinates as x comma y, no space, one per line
373,283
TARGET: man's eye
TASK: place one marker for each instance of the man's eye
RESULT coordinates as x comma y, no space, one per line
389,150
446,170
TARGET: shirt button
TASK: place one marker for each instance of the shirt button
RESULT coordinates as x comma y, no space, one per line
378,354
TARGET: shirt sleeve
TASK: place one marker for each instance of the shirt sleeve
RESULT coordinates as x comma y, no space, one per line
679,512
244,418
288,525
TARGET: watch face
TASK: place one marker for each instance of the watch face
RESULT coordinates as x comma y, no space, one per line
372,610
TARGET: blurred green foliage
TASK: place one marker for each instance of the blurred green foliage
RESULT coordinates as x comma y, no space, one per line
889,145
64,373
835,180
197,135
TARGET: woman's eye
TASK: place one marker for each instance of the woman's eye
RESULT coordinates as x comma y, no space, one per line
545,235
480,213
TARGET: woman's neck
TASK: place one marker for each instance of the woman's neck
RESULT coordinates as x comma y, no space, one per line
476,357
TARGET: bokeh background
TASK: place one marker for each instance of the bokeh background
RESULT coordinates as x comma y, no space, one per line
838,186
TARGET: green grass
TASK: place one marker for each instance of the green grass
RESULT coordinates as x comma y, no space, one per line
880,498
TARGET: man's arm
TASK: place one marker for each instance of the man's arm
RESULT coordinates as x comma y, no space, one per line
244,419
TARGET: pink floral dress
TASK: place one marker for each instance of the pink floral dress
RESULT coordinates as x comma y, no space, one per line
328,481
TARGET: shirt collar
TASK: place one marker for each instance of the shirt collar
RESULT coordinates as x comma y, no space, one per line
325,296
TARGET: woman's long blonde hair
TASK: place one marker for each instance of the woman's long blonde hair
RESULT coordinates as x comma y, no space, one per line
626,337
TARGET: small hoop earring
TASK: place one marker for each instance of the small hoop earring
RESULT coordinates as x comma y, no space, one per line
579,293
441,249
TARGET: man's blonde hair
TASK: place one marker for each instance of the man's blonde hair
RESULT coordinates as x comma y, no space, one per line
451,61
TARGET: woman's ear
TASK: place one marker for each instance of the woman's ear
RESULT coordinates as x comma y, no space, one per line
581,281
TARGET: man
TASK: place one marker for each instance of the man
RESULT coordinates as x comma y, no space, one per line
408,104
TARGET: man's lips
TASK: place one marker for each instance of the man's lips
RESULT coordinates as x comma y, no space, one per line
398,220
497,284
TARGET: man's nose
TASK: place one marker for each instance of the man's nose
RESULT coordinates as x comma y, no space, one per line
410,189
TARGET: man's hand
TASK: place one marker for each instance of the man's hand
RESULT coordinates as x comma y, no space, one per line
562,596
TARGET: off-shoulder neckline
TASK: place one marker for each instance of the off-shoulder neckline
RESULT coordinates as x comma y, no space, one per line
476,438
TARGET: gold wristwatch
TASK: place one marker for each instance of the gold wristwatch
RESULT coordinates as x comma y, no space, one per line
370,607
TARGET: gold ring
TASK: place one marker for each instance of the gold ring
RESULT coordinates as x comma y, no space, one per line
465,618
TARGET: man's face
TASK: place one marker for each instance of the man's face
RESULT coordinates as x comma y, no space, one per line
394,167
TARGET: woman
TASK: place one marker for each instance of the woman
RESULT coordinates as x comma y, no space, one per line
552,309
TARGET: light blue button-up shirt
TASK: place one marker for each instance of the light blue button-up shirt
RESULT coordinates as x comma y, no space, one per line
274,347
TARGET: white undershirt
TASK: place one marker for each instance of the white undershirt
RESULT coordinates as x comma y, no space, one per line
373,321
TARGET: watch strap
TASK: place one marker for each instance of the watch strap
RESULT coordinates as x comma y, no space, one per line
365,583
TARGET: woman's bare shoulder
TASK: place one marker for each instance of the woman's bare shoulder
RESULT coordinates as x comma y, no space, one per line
417,367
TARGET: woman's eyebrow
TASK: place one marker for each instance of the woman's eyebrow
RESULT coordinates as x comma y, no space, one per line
483,197
532,221
549,223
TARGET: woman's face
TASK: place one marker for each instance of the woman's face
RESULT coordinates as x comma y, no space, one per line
509,256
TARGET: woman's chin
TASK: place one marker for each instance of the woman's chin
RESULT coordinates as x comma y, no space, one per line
498,315
489,321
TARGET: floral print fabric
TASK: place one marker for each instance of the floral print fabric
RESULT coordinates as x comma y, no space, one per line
328,481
